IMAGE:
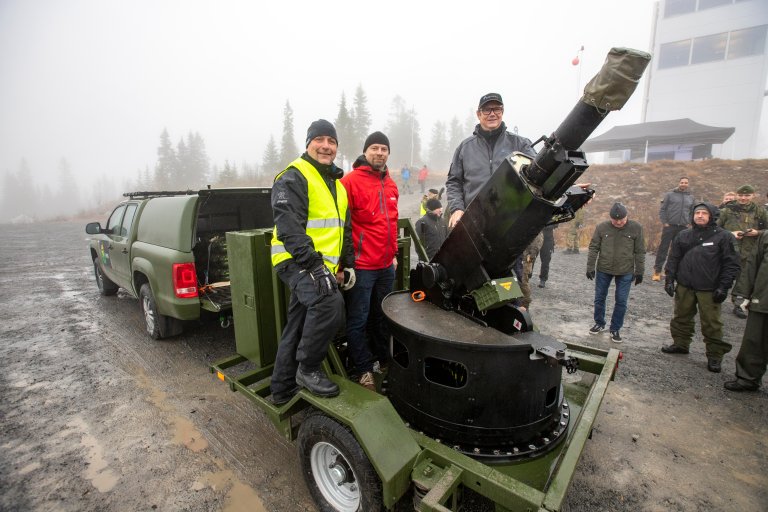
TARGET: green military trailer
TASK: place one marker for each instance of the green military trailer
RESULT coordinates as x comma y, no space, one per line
475,400
357,453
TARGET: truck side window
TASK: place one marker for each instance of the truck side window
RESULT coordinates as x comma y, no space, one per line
130,211
114,220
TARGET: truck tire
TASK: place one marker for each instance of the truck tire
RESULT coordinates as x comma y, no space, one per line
338,473
106,286
157,326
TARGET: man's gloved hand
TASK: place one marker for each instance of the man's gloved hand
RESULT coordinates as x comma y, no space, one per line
590,274
638,279
669,287
719,296
349,279
325,282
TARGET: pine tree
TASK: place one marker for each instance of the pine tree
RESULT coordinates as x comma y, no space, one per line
165,169
271,161
346,133
403,133
228,175
199,166
455,135
68,197
180,178
288,149
438,147
361,121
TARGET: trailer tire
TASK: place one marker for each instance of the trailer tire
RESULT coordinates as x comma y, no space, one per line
105,284
157,326
338,473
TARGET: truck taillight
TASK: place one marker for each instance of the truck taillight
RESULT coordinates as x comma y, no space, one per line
184,280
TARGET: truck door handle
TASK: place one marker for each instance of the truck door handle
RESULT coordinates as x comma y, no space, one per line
124,251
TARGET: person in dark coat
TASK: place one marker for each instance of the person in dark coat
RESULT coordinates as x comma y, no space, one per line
431,228
701,268
674,213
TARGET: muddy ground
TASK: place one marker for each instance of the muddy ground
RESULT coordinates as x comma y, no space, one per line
95,416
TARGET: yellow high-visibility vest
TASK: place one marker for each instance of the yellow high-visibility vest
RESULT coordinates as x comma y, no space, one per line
325,219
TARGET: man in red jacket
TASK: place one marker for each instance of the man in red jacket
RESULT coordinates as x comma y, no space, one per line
372,196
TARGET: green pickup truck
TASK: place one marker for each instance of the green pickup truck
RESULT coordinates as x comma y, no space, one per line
168,249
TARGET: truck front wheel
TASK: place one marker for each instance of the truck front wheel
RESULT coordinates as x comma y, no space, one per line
339,475
106,286
158,326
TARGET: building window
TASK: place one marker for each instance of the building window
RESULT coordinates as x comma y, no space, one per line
707,4
675,7
709,48
674,54
748,41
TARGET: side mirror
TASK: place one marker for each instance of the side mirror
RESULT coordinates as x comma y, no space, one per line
93,228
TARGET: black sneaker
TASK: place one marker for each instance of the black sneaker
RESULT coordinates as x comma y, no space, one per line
317,383
597,329
615,337
542,283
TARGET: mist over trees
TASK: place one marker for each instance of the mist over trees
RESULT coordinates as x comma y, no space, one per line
185,165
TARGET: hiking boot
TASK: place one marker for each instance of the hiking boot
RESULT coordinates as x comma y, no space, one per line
317,383
542,283
739,312
673,349
656,276
615,337
366,380
597,329
735,385
714,365
284,397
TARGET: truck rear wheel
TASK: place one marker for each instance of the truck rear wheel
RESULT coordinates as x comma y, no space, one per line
338,473
106,286
157,326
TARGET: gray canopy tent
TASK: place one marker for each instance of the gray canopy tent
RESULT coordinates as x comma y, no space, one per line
638,138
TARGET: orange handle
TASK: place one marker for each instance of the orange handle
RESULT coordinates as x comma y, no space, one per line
418,296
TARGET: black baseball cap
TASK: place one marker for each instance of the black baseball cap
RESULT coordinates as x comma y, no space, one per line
491,96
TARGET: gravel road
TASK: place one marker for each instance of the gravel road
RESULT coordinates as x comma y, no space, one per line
95,416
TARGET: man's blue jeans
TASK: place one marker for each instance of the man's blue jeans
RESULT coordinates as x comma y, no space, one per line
364,313
602,283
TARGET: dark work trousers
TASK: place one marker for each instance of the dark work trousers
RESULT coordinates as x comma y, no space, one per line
313,321
667,235
682,325
547,248
621,297
753,354
364,314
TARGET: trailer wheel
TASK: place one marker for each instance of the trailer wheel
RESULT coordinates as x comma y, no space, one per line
338,473
106,286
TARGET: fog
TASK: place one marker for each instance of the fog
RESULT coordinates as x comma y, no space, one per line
96,82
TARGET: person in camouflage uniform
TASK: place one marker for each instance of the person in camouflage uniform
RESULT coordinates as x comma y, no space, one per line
746,220
753,355
574,230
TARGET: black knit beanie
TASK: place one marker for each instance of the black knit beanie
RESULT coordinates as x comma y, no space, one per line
433,204
321,128
375,138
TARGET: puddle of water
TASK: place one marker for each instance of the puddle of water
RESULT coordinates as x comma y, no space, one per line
98,472
240,497
184,432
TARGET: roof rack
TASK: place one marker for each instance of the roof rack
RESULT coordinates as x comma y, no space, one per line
143,195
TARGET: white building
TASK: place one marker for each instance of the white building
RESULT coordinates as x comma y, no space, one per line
710,65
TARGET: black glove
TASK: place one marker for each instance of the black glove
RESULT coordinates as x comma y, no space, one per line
325,282
638,279
590,274
719,295
669,287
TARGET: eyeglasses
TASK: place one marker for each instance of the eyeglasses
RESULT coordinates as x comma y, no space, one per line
496,110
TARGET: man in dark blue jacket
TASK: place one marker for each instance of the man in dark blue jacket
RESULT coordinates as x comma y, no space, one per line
703,262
